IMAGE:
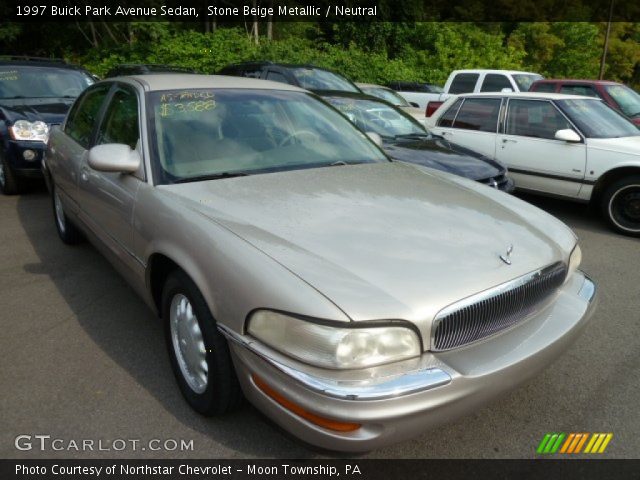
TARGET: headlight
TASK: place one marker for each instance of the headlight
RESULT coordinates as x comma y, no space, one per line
35,131
574,260
333,347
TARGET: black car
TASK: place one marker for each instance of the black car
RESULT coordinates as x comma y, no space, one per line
144,69
415,87
405,139
35,94
308,77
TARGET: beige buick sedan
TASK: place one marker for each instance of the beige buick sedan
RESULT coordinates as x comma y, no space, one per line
354,300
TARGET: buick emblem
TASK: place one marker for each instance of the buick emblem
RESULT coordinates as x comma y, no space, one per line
507,258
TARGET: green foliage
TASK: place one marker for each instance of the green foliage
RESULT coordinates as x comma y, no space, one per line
559,50
381,52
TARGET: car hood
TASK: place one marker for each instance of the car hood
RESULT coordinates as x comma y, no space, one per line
386,240
629,145
442,155
50,110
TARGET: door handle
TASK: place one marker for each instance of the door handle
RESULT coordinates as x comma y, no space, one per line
505,140
447,133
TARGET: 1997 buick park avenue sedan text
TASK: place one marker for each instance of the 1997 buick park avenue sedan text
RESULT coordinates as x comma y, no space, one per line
354,300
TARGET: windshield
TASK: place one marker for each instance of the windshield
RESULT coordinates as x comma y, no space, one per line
41,82
524,80
217,132
318,79
378,117
627,99
597,120
388,95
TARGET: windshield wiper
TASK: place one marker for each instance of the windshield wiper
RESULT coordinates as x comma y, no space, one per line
211,176
413,135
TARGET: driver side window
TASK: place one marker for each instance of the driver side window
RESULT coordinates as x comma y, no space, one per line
534,118
120,123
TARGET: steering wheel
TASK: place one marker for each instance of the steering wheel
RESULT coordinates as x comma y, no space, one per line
314,137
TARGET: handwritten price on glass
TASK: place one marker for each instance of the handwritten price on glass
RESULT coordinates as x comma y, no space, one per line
168,109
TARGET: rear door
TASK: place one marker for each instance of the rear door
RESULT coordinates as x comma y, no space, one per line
536,160
474,125
68,151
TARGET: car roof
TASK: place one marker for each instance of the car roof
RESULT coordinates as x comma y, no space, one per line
545,95
260,63
485,70
6,60
576,80
176,81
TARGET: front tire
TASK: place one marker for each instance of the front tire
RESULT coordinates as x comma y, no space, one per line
67,231
9,184
199,354
621,205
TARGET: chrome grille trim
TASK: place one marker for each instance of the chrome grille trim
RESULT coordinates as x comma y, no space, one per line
487,313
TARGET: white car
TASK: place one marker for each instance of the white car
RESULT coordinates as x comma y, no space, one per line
570,146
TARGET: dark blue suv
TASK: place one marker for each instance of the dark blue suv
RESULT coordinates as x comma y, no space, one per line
35,95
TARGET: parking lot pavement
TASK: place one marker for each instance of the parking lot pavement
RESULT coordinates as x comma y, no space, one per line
83,358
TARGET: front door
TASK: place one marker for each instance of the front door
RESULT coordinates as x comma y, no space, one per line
107,199
536,160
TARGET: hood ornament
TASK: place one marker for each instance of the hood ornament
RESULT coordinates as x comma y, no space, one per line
507,258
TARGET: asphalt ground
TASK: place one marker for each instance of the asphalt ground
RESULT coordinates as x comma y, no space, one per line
81,357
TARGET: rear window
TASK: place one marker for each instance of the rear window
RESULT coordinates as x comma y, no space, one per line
479,114
463,83
586,90
318,79
543,87
446,120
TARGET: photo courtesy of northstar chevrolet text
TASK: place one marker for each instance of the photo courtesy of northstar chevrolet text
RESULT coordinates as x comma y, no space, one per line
335,232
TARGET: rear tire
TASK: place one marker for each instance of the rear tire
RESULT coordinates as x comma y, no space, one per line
199,353
67,231
621,205
9,184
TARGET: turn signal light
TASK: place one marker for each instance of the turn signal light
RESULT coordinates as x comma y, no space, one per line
301,412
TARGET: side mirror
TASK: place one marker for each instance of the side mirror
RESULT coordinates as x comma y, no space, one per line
114,157
567,135
506,90
377,139
414,104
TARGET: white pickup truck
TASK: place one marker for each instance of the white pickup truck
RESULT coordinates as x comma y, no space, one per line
475,81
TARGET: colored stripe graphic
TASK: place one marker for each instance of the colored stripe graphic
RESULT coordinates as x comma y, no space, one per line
572,443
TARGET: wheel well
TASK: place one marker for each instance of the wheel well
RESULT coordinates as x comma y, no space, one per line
608,178
160,266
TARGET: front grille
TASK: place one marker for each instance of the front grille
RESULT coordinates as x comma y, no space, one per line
486,313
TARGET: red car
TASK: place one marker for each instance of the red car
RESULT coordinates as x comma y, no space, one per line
616,95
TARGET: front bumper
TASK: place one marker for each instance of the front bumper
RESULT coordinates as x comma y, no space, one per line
15,156
398,401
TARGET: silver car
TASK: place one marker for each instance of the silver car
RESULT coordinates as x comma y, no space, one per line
354,300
